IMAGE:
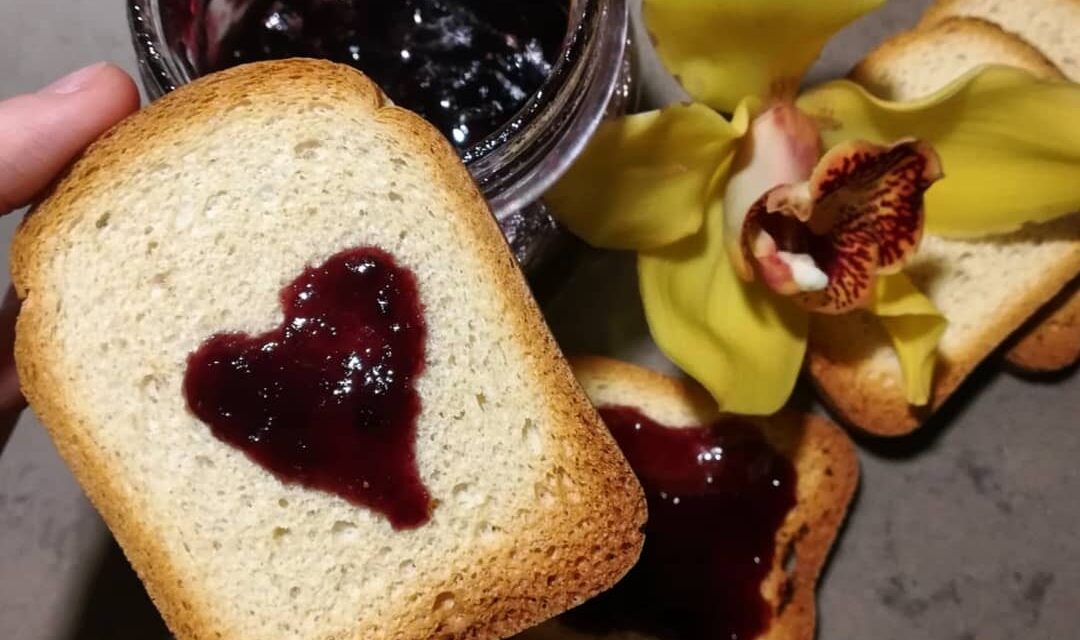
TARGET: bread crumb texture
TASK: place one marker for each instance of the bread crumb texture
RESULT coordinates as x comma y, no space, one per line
986,288
915,64
187,220
1051,341
1050,25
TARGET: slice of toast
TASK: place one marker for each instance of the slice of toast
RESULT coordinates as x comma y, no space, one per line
827,471
914,64
1050,25
1052,341
986,288
187,220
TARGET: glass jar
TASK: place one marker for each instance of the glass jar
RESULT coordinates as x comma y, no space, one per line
515,164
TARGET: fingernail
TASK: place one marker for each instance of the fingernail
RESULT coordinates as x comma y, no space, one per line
76,81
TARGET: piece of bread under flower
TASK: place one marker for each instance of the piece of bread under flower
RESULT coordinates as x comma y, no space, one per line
987,288
1051,340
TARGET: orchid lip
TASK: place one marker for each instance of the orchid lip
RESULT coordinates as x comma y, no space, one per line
860,214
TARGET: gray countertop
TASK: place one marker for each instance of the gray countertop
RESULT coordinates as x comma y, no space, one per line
964,531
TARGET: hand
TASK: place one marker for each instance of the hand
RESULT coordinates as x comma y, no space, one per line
40,134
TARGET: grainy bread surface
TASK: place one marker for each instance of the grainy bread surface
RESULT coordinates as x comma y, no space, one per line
1052,342
186,220
986,288
1050,25
825,461
916,63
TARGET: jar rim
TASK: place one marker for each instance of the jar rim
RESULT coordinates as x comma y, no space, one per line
578,14
553,127
516,163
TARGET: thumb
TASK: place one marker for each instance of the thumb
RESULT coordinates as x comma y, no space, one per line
41,133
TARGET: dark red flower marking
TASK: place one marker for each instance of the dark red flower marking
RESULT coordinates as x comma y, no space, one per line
861,213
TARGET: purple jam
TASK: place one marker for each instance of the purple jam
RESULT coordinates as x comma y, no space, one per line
328,399
717,497
467,66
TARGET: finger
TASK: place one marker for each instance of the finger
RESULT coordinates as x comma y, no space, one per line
11,399
41,133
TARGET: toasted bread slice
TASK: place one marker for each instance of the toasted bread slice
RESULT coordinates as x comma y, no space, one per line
1053,341
986,288
914,64
824,459
187,220
1050,25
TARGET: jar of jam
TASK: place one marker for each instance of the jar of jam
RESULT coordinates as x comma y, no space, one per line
517,87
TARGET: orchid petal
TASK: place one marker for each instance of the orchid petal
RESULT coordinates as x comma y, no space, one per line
1009,144
644,180
744,344
915,327
723,50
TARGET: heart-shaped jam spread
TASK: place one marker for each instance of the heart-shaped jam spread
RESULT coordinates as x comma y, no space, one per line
717,497
328,399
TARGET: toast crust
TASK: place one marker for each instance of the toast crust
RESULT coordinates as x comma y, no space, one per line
598,540
1058,11
944,9
1052,342
827,467
868,393
868,71
872,399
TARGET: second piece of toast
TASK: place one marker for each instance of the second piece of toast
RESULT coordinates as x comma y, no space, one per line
826,470
1051,340
987,288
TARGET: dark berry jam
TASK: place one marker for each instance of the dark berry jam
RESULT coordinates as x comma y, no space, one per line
467,66
328,399
717,497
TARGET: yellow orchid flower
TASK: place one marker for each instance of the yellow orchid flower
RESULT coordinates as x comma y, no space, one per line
744,225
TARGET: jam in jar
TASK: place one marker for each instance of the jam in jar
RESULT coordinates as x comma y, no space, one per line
467,66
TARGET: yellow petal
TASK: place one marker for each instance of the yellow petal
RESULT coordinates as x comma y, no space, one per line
1009,145
744,344
644,179
724,50
914,326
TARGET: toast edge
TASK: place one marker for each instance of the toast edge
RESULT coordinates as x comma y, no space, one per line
1035,61
848,389
825,492
591,560
941,10
1051,342
844,386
